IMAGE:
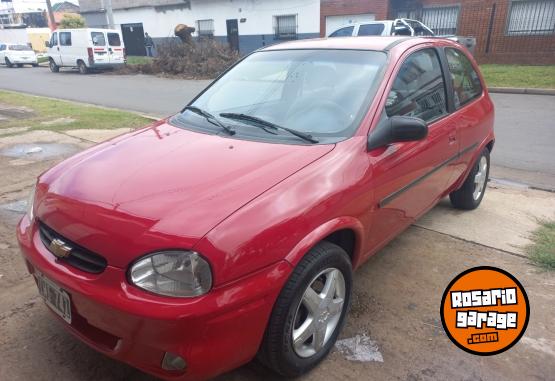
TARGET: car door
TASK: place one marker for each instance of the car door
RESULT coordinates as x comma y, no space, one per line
115,48
100,48
2,53
470,115
54,49
65,48
409,177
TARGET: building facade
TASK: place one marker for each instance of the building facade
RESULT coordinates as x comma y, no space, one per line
506,31
245,24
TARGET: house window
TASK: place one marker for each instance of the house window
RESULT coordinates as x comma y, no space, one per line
285,27
205,28
531,17
442,20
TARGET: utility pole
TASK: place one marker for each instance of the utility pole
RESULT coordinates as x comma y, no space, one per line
50,15
110,14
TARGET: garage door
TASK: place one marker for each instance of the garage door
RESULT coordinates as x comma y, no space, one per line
335,22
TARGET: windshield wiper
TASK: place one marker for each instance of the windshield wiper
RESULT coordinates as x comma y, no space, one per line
210,118
264,123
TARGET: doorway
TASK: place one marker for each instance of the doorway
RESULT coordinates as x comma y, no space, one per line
233,34
134,39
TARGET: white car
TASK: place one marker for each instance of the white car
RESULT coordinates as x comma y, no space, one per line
397,27
85,49
17,54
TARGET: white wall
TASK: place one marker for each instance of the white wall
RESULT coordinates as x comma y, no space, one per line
14,36
258,14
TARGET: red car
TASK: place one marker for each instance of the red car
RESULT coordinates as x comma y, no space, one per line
231,230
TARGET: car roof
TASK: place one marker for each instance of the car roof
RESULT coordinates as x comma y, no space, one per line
353,43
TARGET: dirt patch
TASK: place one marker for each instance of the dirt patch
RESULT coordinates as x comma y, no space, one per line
15,112
62,121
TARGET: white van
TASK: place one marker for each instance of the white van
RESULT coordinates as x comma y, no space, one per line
87,48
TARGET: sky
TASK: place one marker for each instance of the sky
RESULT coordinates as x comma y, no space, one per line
31,5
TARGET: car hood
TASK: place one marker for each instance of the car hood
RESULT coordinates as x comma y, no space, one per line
163,187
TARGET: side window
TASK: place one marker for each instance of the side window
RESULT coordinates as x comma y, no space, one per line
371,30
98,39
65,38
113,39
466,82
54,39
419,89
2,47
343,32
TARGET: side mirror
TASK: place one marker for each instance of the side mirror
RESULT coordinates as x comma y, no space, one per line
397,129
47,44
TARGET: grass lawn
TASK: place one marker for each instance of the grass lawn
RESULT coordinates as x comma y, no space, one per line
542,77
38,113
542,252
42,59
138,60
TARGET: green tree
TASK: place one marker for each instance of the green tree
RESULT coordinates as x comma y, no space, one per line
70,21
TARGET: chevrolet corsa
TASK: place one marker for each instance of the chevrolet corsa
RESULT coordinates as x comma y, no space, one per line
231,230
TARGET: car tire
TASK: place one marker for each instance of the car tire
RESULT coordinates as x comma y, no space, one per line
302,304
83,69
35,65
8,62
53,67
470,194
19,65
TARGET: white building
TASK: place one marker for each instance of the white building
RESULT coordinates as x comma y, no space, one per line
244,24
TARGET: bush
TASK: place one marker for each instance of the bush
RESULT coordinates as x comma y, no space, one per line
70,21
204,59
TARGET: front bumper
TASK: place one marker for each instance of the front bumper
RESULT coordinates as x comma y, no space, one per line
214,333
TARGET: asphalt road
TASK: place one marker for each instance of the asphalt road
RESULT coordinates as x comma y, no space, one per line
525,124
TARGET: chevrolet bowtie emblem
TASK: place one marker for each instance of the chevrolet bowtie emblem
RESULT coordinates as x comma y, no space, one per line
59,248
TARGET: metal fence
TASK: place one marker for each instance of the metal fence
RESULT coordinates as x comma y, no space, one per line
285,27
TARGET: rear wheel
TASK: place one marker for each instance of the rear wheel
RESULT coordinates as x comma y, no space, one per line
35,65
53,67
309,312
8,62
471,193
19,65
83,69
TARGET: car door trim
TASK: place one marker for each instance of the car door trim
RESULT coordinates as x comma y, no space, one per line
386,200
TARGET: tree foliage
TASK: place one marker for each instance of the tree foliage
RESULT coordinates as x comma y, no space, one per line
70,21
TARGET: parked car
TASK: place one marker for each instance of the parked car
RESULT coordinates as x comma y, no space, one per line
85,49
17,55
398,27
231,230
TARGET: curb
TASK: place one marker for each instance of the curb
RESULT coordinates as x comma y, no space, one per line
518,90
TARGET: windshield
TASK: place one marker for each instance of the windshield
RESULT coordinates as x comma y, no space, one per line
20,47
324,93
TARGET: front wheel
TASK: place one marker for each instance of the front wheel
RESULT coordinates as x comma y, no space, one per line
309,312
470,194
53,67
8,62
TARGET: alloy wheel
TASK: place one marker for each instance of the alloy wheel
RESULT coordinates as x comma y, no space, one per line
480,178
318,312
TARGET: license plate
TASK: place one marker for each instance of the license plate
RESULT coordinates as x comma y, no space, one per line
55,297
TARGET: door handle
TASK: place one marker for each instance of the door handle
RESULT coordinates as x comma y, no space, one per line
452,139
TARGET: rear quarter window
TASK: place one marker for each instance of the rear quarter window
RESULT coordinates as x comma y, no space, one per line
466,81
371,30
113,39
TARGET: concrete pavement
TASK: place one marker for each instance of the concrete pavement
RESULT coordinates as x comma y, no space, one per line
525,127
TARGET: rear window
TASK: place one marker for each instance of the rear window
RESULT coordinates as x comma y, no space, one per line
113,39
371,30
98,39
20,47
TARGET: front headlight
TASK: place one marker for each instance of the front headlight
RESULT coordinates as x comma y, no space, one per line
172,273
31,204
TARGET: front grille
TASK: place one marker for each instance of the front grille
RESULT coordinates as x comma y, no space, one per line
79,257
